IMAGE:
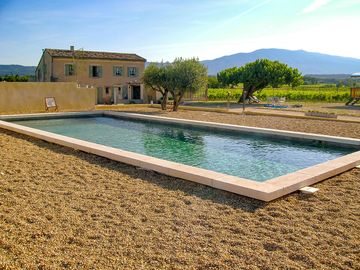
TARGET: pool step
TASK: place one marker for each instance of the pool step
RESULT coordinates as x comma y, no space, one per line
308,190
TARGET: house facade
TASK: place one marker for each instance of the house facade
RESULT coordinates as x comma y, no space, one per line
116,76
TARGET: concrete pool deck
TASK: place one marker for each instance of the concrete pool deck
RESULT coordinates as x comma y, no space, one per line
266,191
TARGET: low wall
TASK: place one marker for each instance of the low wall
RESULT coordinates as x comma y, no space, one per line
25,97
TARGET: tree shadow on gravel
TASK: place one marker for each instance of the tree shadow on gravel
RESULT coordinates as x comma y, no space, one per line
170,183
344,107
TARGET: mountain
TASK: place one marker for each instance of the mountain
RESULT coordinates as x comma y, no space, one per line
306,62
17,69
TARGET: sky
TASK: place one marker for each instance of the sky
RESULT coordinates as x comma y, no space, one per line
165,29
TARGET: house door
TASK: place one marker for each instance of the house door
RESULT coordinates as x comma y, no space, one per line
136,93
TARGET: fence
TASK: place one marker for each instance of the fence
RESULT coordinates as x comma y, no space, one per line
200,95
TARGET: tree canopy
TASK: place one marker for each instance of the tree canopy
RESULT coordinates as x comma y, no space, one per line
14,78
154,77
180,77
187,76
259,74
213,82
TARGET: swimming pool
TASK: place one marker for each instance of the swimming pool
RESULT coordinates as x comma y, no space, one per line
245,155
256,162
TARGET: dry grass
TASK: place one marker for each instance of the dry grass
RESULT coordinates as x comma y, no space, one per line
61,208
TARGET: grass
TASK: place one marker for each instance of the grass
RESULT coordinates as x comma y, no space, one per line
327,94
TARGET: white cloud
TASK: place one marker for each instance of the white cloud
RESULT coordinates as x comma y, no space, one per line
315,5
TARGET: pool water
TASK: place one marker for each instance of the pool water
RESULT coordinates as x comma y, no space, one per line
240,154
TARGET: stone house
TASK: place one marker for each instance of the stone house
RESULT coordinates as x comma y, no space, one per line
116,76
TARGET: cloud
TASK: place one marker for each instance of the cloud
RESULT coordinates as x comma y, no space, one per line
315,5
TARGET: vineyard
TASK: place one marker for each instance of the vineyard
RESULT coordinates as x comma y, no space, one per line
326,93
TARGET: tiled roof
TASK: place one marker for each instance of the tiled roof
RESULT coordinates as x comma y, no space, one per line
94,55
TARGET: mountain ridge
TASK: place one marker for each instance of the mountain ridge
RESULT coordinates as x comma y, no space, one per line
17,70
306,62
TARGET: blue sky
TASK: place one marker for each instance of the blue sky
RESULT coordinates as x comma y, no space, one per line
164,30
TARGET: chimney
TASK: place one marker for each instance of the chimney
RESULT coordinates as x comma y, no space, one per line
71,48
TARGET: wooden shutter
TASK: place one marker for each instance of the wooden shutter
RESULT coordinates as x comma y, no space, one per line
66,69
114,70
90,71
100,71
112,89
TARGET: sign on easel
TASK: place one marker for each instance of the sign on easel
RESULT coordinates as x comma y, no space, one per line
50,103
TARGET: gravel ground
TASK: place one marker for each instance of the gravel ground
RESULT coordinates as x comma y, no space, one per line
62,208
333,128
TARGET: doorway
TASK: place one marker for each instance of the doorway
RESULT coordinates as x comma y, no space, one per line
136,92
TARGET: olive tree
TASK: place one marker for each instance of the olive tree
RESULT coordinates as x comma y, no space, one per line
229,77
259,74
185,76
180,77
154,77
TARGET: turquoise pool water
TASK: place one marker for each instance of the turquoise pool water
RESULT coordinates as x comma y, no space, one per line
240,154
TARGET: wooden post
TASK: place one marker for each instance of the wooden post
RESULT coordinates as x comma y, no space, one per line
244,94
228,100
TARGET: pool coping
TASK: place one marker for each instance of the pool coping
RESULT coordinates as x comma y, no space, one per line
266,191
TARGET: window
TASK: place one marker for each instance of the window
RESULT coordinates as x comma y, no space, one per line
69,70
132,72
117,71
95,71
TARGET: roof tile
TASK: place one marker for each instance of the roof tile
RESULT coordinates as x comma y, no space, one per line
94,55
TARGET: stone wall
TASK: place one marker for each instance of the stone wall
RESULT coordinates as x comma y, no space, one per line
27,97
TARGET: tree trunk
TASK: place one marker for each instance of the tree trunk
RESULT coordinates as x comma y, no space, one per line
249,91
164,100
177,100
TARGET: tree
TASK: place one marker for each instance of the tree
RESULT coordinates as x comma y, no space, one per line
185,76
180,77
259,74
293,77
213,82
14,78
155,78
229,77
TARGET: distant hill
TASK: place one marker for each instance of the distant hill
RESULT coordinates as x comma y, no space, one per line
330,76
306,62
17,69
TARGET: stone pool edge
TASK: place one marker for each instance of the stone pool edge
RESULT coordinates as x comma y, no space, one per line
265,191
